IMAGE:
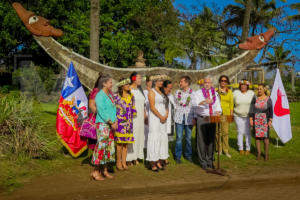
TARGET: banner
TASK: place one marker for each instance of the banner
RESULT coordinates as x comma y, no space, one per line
281,111
73,105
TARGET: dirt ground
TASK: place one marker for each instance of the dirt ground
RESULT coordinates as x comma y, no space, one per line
176,182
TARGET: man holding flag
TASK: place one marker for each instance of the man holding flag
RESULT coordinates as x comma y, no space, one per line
72,105
281,118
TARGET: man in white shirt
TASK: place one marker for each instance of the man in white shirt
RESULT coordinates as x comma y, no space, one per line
184,99
207,104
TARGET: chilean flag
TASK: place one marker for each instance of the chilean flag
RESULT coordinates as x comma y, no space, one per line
281,111
73,104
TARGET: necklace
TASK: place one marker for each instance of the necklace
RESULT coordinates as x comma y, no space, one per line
188,99
206,94
109,95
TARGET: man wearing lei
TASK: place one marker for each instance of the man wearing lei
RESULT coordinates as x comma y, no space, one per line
207,104
184,99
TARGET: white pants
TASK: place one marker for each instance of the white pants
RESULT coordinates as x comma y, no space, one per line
243,128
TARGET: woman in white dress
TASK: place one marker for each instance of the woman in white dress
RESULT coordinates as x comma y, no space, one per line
147,108
136,150
157,146
166,90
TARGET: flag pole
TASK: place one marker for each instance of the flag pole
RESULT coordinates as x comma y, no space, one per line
277,143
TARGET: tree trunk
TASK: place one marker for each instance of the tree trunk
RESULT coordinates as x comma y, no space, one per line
246,20
94,30
293,78
193,62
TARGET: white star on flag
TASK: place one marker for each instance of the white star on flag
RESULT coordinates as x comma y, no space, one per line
68,82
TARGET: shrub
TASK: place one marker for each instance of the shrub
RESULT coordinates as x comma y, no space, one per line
21,132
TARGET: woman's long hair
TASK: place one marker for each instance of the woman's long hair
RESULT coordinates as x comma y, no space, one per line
132,81
162,89
103,79
97,81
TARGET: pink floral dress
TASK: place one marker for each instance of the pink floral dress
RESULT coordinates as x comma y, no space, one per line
261,111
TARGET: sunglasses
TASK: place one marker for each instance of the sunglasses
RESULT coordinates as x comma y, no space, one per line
223,80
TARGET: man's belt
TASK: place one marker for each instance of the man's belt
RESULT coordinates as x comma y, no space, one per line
218,118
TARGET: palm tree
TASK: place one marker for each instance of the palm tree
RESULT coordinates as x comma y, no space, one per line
246,20
94,30
279,59
262,13
199,39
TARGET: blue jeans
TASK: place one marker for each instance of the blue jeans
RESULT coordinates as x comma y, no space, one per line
188,140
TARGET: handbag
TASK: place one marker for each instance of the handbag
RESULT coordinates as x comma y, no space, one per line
88,128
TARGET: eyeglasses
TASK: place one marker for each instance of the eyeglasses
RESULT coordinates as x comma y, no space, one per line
223,80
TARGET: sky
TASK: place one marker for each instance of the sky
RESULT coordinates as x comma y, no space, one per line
186,6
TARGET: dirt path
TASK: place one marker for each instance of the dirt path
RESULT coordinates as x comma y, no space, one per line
177,182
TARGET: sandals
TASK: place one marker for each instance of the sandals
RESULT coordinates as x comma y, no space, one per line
159,166
124,167
154,169
97,177
119,168
107,175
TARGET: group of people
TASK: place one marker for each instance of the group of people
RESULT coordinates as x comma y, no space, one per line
133,121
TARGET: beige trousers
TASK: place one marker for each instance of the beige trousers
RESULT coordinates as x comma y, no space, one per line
222,134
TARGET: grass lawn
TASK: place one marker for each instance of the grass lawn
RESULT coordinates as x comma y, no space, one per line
14,173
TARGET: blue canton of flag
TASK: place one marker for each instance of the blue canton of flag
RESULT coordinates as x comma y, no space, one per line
72,82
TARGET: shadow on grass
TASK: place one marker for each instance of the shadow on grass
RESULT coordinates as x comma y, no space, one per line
50,112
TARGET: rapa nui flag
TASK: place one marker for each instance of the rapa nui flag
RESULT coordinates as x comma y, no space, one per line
73,104
281,111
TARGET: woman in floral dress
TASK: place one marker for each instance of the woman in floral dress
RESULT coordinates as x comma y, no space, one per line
261,114
106,124
125,112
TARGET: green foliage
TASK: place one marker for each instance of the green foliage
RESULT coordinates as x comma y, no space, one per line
130,25
201,39
125,27
261,16
280,58
21,131
47,77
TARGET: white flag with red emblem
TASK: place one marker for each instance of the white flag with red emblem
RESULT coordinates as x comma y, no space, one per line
281,111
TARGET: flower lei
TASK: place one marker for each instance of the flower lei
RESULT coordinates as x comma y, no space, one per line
213,92
124,82
206,94
245,82
188,99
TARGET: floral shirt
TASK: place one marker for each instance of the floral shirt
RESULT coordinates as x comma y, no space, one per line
184,101
125,112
